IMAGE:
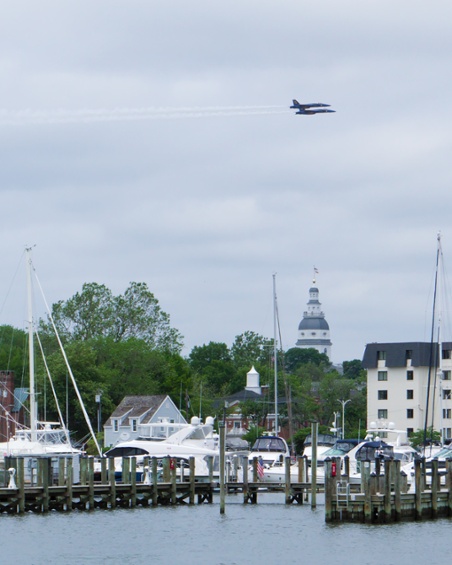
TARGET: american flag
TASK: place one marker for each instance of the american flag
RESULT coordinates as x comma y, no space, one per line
260,468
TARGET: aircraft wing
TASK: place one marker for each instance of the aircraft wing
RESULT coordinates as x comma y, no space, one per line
309,111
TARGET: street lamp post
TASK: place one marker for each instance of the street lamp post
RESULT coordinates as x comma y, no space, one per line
99,410
343,402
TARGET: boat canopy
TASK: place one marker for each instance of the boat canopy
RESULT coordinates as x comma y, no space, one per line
269,443
370,450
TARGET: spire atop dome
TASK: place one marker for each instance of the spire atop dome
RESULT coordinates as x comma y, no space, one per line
316,272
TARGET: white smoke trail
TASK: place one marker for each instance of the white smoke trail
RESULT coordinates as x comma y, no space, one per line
42,117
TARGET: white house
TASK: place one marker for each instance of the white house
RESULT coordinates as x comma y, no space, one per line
143,416
398,389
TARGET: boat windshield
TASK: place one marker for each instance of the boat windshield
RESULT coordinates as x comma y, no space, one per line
125,452
406,456
322,439
341,447
445,453
335,452
269,444
372,450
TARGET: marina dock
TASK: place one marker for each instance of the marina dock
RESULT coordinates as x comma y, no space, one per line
385,497
48,491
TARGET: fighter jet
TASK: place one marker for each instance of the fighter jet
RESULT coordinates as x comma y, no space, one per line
309,109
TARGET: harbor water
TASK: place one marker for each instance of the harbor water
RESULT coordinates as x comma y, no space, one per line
264,533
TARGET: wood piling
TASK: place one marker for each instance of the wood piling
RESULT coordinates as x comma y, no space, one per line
386,497
42,492
381,498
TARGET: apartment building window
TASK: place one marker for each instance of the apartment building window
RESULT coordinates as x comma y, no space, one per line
409,354
447,394
447,354
381,355
447,433
382,375
409,431
382,414
410,413
410,394
409,375
446,375
382,395
447,413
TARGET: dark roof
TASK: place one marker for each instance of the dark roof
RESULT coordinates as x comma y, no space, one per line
422,354
243,395
137,406
313,323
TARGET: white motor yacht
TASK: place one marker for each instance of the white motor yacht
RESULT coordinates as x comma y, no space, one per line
196,440
269,449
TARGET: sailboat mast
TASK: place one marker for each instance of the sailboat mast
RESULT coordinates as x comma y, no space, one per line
439,364
275,353
431,361
33,414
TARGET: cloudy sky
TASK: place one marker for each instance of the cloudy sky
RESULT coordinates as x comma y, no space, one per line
152,141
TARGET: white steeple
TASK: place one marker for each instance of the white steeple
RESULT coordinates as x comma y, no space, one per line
252,381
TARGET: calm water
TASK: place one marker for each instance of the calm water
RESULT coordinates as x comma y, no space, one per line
266,533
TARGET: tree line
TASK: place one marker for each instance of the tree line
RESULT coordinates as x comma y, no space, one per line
125,345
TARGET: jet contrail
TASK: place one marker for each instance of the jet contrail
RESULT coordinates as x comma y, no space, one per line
42,117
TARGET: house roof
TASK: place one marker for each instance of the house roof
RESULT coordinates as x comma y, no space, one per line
137,407
243,395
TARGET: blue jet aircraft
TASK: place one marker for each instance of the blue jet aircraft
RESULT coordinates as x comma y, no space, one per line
309,109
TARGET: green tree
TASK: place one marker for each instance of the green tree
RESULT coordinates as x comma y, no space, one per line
417,437
296,357
250,348
95,312
256,412
212,366
82,360
14,351
354,369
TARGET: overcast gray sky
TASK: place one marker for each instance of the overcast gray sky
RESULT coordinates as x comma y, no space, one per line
152,141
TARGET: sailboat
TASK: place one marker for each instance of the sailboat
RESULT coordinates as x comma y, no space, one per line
436,373
42,438
272,449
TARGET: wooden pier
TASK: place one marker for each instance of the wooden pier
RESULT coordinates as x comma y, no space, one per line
47,492
383,496
386,497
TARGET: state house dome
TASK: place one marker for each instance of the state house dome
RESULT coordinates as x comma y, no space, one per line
313,330
313,324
